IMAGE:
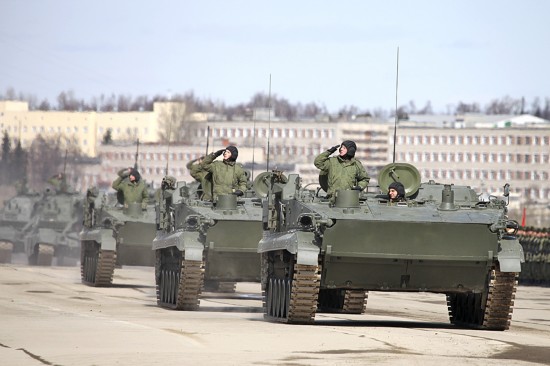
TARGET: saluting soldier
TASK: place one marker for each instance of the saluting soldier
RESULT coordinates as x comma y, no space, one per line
132,187
228,177
344,171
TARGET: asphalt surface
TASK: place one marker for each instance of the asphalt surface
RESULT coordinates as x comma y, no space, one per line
47,317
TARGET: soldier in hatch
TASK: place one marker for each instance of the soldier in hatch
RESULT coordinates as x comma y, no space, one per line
131,185
228,177
344,171
59,182
396,192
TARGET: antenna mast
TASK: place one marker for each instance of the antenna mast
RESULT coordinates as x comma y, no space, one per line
65,164
207,139
253,146
396,117
137,154
268,121
168,151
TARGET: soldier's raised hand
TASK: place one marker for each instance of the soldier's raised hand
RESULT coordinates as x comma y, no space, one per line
333,149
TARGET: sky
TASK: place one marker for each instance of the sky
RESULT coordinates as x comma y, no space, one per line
333,53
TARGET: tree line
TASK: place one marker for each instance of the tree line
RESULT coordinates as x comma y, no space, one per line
45,157
282,107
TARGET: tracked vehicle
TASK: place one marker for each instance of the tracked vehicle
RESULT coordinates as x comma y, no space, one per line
201,245
319,256
16,219
114,234
54,229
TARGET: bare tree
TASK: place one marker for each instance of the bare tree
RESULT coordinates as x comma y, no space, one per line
427,109
10,94
546,111
173,124
124,103
44,105
107,104
412,107
66,101
467,108
52,155
506,105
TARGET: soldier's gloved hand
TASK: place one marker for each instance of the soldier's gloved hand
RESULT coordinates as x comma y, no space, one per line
219,152
333,149
238,192
357,188
124,173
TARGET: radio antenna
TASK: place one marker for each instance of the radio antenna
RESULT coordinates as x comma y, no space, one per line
253,145
65,163
207,139
137,154
168,152
396,117
268,121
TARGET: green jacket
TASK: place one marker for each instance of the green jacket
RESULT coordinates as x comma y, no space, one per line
203,177
133,192
60,184
227,176
342,174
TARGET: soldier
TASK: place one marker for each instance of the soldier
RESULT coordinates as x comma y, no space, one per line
228,177
131,186
396,192
202,176
59,182
344,171
21,187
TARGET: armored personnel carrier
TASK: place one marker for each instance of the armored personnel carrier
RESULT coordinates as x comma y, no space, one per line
15,220
54,229
323,256
204,245
114,234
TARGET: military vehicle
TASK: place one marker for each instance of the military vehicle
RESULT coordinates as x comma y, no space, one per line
15,220
322,256
200,244
114,234
54,229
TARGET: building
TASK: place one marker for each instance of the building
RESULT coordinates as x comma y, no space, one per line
85,129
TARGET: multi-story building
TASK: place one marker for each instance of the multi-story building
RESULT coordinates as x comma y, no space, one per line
85,129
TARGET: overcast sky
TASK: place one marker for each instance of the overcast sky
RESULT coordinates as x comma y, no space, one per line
336,53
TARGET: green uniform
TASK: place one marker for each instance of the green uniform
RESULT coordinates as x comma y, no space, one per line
59,183
134,192
203,177
342,173
227,176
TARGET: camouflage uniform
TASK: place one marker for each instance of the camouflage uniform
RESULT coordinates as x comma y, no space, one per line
227,176
201,176
342,173
134,192
59,182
